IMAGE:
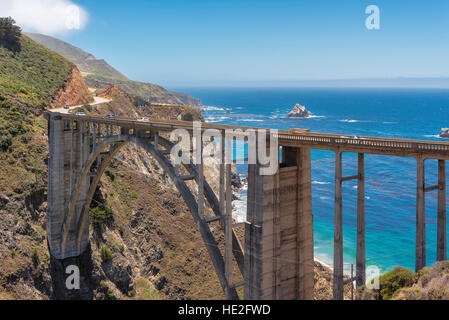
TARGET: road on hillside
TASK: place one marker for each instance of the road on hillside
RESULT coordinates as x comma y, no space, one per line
98,100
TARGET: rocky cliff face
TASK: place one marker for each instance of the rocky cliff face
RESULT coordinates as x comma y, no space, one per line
75,91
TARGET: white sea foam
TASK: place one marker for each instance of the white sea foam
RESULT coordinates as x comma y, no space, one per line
432,136
252,120
313,117
308,117
212,119
320,182
213,108
387,122
239,209
349,120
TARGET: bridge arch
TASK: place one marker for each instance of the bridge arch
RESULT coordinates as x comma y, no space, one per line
74,227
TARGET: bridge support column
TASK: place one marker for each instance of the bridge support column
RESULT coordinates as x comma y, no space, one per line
69,150
420,258
360,253
279,240
56,197
338,230
441,224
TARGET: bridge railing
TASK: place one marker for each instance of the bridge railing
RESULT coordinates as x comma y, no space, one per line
369,142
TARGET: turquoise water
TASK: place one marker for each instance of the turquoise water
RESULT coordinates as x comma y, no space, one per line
390,181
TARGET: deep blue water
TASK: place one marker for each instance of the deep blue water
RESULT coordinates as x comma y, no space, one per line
390,181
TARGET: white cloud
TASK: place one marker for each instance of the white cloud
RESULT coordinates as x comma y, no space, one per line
45,16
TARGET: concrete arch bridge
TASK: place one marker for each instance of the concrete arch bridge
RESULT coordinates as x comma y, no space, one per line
276,258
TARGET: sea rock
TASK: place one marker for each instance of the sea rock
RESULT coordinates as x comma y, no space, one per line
299,111
444,133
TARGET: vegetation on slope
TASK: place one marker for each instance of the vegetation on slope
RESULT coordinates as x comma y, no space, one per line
430,283
146,91
85,61
30,77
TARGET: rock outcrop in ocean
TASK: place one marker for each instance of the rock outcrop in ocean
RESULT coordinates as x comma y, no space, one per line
299,111
444,133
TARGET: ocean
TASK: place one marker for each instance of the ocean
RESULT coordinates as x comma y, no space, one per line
390,181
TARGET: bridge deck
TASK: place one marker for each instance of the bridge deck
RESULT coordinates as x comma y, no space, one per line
333,142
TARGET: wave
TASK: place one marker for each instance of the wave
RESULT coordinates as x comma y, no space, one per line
214,108
314,117
432,136
252,120
239,208
388,122
212,119
349,120
308,117
320,182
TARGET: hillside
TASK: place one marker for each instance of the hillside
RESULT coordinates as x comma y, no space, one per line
158,261
100,75
85,61
32,79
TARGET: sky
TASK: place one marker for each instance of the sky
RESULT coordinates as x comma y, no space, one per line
200,42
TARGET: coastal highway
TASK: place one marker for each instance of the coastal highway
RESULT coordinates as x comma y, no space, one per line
98,100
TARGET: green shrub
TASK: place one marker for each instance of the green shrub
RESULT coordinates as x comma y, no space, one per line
134,195
106,253
109,173
121,248
35,256
9,32
394,280
100,215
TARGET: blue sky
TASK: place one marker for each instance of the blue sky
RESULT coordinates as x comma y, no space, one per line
178,42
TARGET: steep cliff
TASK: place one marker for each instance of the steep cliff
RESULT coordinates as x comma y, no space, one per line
75,91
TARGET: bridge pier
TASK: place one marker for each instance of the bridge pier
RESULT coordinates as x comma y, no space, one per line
420,257
360,252
441,224
338,282
338,229
421,191
279,257
69,150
